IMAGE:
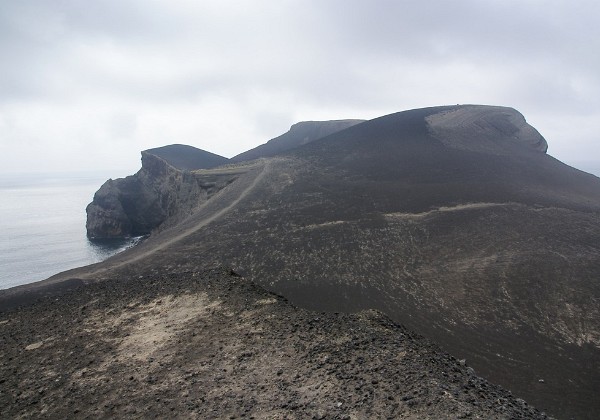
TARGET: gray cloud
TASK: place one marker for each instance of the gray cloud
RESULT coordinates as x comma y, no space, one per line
121,76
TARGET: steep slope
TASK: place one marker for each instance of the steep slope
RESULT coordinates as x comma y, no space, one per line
163,189
485,129
299,134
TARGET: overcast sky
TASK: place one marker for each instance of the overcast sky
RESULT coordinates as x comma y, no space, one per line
88,84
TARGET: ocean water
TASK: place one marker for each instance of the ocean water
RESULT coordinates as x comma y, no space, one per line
42,226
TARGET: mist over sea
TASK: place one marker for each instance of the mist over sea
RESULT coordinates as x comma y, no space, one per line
42,226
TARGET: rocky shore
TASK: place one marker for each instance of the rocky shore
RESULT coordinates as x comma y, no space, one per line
176,342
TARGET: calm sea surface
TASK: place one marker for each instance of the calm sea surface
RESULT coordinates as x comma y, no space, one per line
42,226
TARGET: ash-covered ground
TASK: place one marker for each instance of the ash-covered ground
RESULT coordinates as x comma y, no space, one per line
174,342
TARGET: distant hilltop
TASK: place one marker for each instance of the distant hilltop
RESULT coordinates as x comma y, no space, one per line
299,134
186,158
189,158
484,128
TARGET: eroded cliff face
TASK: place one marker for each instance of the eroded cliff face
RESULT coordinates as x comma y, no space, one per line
157,194
485,129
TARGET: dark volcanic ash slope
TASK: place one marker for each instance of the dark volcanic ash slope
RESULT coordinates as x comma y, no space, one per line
465,231
451,220
178,342
299,134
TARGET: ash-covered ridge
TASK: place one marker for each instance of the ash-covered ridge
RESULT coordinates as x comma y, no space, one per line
299,134
186,158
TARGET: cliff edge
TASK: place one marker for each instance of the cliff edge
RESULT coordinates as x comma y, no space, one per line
137,204
479,128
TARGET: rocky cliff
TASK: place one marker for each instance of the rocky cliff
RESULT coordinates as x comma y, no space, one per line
137,204
485,128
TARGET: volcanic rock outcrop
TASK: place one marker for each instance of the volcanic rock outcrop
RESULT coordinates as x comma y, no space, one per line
451,220
164,188
485,129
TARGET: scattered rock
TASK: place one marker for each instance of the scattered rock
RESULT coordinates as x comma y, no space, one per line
219,372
